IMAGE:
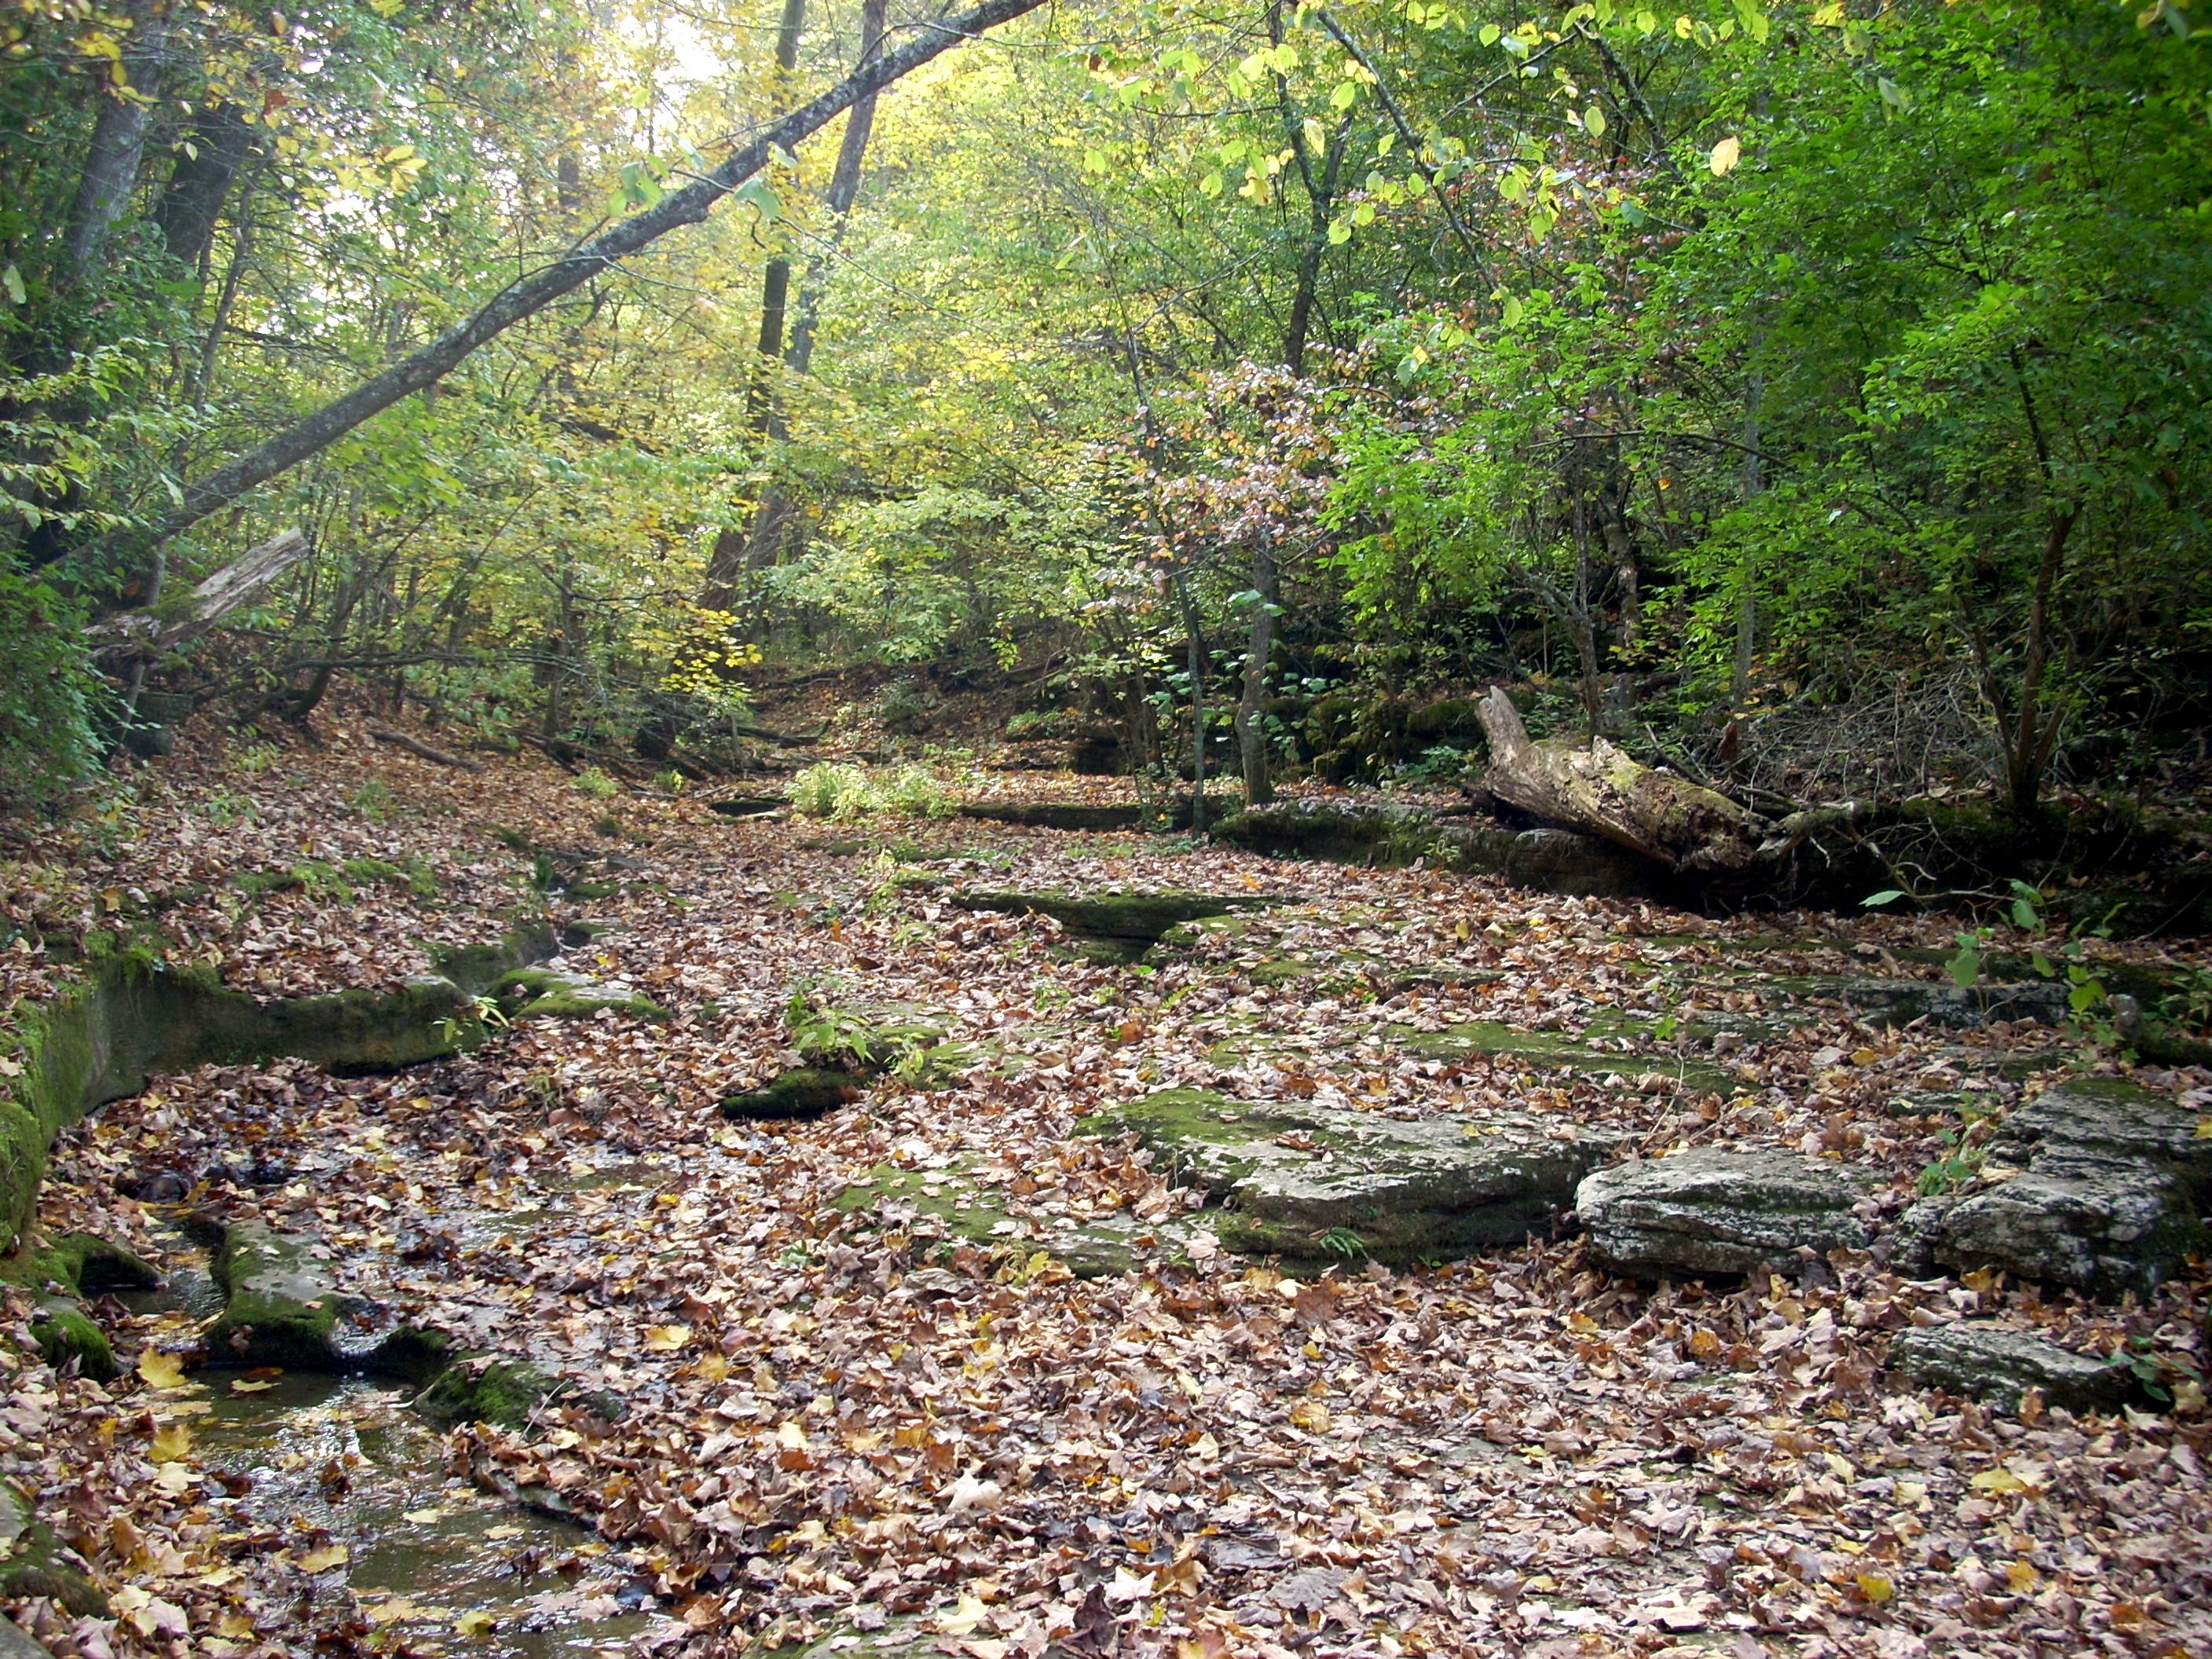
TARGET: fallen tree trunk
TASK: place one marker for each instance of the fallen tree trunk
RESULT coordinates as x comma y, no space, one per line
1669,820
415,746
230,589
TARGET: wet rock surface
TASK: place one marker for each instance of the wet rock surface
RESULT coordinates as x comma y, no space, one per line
1309,1183
1715,1211
1990,1362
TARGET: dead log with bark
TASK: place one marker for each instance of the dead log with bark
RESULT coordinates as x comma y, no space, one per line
231,588
423,750
1600,789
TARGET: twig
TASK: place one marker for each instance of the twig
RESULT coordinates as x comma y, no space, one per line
416,746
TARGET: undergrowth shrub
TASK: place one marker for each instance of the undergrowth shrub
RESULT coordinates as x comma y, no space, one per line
841,791
52,706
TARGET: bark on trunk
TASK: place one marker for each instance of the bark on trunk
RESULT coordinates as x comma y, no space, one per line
1251,729
231,588
119,147
192,202
1601,791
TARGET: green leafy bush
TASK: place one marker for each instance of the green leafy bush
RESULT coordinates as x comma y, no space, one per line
840,791
52,705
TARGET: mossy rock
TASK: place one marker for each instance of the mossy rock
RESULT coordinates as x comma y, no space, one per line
1144,917
1310,1182
748,806
65,1333
551,994
866,1039
81,1263
33,1562
803,1093
279,1308
1553,1051
1103,818
483,1389
953,1204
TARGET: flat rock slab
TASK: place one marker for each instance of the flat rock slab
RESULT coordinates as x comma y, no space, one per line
280,1308
1308,1182
1134,916
800,1094
2109,1202
1720,1213
1988,1362
2109,1118
558,993
1553,1051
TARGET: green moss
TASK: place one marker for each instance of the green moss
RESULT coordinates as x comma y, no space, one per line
1552,1051
64,1332
549,994
416,875
36,1563
807,1092
279,1311
481,1389
587,891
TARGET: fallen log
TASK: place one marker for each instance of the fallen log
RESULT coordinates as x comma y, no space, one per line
417,747
228,590
1674,822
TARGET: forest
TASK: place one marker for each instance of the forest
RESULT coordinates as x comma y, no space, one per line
1323,829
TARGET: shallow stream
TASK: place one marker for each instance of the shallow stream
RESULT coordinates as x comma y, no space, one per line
340,1467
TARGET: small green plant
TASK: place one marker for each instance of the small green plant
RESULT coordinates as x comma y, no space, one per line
2189,1004
483,1015
542,876
609,825
2165,1377
671,781
915,791
824,1033
596,784
374,801
255,759
1966,1149
1344,1242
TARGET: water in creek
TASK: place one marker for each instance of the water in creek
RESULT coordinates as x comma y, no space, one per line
437,1565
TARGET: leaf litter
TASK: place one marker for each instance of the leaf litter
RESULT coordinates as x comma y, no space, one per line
870,1428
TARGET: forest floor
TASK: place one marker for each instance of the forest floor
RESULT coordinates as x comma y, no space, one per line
864,1428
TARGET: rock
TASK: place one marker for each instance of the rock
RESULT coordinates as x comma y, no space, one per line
805,1093
1171,814
1309,1183
1134,916
2109,1118
279,1308
1720,1213
1988,1362
66,1335
2104,1225
34,1562
748,806
1901,1001
2109,1201
556,994
1546,860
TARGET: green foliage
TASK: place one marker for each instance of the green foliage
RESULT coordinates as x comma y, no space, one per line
52,705
840,792
593,784
374,801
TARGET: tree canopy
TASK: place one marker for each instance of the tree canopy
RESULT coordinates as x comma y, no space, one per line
1724,377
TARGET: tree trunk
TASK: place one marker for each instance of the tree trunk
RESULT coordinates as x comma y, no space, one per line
844,191
192,202
1603,791
1194,634
533,292
1251,726
119,146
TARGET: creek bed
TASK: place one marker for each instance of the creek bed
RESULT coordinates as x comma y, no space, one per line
339,1466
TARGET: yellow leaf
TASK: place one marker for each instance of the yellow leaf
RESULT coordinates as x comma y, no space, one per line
1876,1587
666,1339
1998,1480
1582,1325
175,1479
2021,1576
325,1557
249,1385
172,1443
475,1622
161,1371
1704,1345
1311,1416
1864,1056
235,1628
423,1518
1725,155
964,1619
